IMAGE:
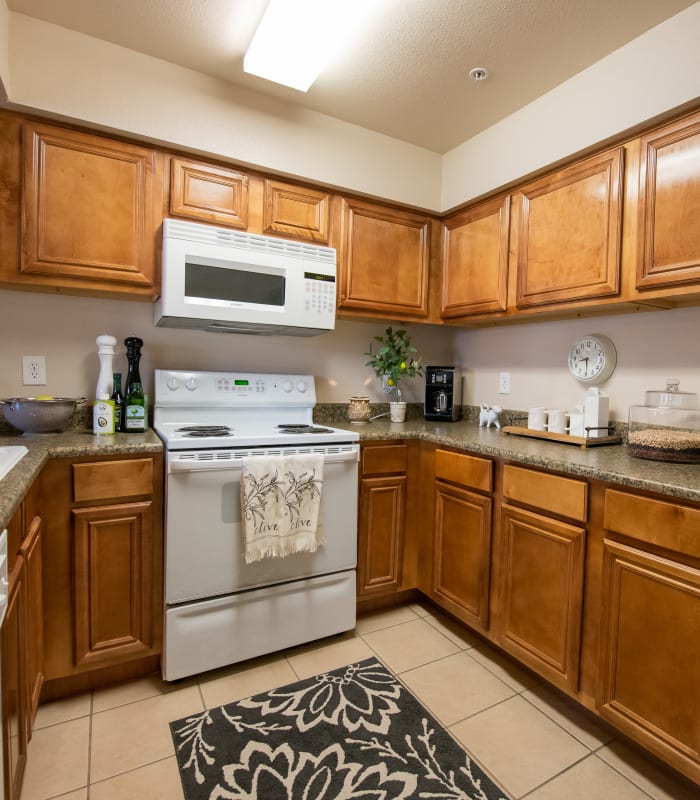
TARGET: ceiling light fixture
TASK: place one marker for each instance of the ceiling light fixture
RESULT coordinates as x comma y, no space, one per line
478,74
296,38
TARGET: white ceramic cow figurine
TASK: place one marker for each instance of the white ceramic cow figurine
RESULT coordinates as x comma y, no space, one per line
489,416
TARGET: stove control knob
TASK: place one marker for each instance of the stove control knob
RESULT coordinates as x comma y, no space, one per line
286,386
173,383
301,386
191,384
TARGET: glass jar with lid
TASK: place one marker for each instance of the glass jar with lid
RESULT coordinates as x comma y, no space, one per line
667,426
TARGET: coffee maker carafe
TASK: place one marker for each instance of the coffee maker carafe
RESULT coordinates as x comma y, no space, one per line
443,394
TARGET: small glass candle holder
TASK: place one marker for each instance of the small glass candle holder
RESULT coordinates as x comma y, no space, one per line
359,410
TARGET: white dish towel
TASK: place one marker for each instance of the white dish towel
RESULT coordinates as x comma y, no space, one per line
280,503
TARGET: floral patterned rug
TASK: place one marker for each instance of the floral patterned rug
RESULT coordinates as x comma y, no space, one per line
355,733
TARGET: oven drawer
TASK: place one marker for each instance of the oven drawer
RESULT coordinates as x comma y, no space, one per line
225,630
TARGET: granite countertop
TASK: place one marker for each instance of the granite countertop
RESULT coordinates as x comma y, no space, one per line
71,443
605,462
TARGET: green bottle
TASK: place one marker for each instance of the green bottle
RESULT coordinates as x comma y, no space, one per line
135,420
118,400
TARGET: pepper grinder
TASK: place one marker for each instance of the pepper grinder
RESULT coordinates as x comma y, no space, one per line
105,352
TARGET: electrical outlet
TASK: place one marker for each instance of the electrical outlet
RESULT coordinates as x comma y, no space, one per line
504,383
34,370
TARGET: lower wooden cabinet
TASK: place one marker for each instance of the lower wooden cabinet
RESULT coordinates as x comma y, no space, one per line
649,679
103,596
462,553
540,593
16,723
382,501
31,551
112,558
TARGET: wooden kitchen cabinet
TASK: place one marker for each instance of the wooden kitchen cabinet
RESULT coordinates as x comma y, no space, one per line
16,723
382,500
669,205
475,260
220,195
539,591
383,260
208,193
649,657
462,537
103,597
90,213
569,233
31,552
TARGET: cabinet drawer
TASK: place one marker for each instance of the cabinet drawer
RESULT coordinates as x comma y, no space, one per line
665,524
553,493
384,460
465,470
101,480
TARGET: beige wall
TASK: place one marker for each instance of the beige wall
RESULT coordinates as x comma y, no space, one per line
4,51
64,330
81,78
651,346
658,71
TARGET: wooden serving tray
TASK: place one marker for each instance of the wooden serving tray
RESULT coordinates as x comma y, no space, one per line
579,441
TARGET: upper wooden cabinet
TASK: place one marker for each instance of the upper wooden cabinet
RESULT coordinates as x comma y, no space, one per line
296,212
569,233
475,259
204,192
669,206
384,260
89,212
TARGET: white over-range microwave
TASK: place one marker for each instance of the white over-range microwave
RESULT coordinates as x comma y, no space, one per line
228,281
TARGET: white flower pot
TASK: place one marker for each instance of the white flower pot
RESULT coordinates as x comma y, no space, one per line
397,412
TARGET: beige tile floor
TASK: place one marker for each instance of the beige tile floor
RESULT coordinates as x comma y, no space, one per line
114,744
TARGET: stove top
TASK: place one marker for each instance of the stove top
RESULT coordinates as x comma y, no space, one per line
216,410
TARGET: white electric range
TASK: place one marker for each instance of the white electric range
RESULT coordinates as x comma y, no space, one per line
218,609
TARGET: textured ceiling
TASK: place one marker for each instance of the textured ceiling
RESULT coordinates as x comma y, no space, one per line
407,76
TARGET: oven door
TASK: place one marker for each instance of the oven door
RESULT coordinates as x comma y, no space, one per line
204,548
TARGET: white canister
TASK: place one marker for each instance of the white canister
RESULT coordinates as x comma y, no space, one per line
595,412
537,418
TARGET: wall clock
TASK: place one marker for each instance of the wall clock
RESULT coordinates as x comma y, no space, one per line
592,359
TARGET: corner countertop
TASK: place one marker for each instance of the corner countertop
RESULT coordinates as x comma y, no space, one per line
607,463
71,443
611,463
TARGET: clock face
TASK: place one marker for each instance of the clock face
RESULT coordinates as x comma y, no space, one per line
592,359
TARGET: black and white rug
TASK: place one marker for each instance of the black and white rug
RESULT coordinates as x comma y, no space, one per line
355,733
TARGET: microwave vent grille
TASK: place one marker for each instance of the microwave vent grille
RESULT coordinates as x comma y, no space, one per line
252,242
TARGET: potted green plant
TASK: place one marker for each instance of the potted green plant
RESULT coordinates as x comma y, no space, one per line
393,358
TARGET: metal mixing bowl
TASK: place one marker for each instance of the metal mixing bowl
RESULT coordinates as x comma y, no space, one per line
39,416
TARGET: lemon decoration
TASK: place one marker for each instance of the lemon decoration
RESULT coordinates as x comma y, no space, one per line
393,358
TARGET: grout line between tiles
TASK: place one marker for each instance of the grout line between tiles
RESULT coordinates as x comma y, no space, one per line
556,775
626,777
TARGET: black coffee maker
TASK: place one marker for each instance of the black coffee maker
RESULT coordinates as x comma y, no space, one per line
443,394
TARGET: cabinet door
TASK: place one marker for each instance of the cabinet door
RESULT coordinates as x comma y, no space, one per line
296,212
649,676
205,192
569,234
14,687
540,593
112,572
669,196
384,260
462,553
89,211
31,552
475,260
380,545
